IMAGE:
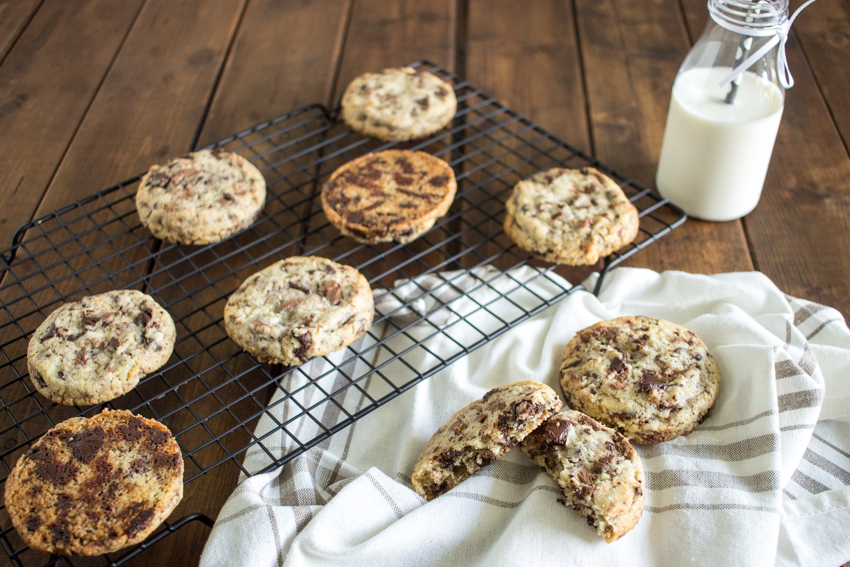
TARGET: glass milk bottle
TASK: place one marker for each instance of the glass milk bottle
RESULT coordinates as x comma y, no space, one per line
720,134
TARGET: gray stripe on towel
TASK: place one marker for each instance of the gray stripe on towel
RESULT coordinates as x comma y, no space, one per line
831,446
808,483
737,451
735,423
496,501
786,369
760,482
827,466
386,495
800,400
712,507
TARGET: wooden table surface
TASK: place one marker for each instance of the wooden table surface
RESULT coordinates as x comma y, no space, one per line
94,91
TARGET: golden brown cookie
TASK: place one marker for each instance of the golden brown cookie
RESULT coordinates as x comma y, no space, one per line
92,486
98,348
201,197
398,104
299,308
570,216
392,195
650,379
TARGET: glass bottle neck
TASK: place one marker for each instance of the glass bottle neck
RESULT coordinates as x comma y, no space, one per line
757,17
724,48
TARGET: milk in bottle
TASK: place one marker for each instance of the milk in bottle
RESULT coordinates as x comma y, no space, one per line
715,155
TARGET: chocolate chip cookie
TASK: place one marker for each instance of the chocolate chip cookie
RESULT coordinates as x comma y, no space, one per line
98,348
398,104
648,378
92,486
392,195
598,469
201,197
299,308
480,433
570,216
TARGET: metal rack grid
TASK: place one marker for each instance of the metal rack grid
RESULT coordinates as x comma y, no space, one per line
211,394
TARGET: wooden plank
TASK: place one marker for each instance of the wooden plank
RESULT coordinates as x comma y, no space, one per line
631,53
47,82
154,99
284,57
389,34
799,230
823,30
695,15
14,16
148,108
529,60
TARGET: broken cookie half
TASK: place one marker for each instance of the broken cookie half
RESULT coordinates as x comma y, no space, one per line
480,433
597,468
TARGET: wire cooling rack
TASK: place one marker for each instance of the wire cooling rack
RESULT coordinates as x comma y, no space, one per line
211,394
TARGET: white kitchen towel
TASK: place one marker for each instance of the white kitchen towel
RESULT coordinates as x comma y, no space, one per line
764,481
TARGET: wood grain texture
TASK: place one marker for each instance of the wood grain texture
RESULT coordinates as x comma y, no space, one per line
823,30
82,88
14,16
799,229
529,60
153,100
631,52
284,57
149,107
390,34
47,82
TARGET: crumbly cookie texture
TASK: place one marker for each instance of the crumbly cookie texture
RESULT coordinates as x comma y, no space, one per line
598,469
92,486
298,308
201,197
398,104
98,348
650,379
391,195
570,216
480,433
